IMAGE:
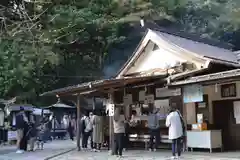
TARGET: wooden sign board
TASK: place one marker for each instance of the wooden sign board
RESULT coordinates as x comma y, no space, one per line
149,99
141,96
165,92
127,99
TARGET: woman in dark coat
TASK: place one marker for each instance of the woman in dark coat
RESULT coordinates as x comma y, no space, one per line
24,141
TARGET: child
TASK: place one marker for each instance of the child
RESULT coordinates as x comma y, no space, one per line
40,136
32,133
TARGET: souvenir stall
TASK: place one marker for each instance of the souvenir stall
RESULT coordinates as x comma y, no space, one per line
139,102
11,112
58,111
201,134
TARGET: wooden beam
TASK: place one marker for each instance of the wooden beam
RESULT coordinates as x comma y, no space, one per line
78,123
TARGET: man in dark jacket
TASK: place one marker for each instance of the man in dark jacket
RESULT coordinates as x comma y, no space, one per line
21,125
154,129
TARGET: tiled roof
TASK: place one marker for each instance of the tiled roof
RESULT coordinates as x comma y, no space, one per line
209,77
105,83
73,87
200,48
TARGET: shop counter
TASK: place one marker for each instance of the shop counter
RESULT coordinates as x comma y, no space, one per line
208,139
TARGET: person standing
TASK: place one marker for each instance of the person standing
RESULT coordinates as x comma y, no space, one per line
97,131
119,131
74,125
91,116
21,122
70,128
175,124
154,129
86,130
32,133
133,123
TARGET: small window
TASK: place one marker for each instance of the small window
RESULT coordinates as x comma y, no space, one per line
228,90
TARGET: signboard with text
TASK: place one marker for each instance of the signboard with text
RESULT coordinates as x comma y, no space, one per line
193,93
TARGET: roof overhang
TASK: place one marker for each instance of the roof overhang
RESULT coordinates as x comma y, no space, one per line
216,77
102,86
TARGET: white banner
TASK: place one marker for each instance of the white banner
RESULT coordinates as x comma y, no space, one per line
165,92
141,96
110,109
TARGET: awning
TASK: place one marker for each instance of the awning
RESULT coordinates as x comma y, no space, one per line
232,74
99,85
60,105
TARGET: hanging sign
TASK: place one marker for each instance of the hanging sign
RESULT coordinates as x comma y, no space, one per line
149,99
127,99
176,92
110,107
193,93
141,96
165,92
162,105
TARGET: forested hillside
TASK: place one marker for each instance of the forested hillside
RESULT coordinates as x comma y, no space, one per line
47,44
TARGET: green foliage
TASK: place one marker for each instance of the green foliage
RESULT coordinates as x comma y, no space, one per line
46,44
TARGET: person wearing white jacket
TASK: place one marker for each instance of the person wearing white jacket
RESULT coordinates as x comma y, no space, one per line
175,133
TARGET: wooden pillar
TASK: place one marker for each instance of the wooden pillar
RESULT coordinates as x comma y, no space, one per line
93,103
78,123
111,131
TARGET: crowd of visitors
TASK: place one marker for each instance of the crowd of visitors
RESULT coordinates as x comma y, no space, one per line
30,133
92,129
174,122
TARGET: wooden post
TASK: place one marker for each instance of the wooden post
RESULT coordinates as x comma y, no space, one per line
94,103
111,131
78,123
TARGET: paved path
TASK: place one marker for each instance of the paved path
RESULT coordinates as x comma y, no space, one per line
143,155
50,149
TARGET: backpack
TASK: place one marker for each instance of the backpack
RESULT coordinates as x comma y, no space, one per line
182,122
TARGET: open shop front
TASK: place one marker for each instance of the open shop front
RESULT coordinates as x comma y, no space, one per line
213,115
138,102
133,95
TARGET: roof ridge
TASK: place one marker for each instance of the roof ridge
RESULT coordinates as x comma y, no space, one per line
195,37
